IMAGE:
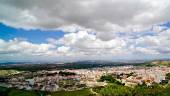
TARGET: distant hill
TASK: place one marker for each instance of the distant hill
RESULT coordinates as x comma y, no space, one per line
161,62
155,63
34,66
70,65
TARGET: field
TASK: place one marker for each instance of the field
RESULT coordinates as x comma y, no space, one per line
16,92
110,90
8,72
84,92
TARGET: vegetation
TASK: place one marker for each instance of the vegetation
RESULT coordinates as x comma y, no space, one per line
145,65
16,92
120,90
109,90
155,63
114,90
83,92
45,66
109,79
8,72
66,73
168,76
165,63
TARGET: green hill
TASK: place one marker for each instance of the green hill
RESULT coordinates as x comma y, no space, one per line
161,63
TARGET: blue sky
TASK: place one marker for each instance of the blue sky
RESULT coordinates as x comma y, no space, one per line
34,36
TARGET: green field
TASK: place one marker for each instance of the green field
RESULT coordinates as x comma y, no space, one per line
83,92
165,63
109,90
16,92
8,72
155,63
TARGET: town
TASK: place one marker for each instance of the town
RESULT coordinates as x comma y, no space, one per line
76,79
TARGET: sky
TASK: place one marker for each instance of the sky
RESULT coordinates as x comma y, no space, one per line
71,30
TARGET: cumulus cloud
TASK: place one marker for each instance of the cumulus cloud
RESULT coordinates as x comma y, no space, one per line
85,40
91,27
106,16
83,43
17,46
87,43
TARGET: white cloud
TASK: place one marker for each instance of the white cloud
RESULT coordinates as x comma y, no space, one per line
17,46
87,41
95,27
63,49
102,17
158,42
83,43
